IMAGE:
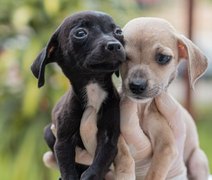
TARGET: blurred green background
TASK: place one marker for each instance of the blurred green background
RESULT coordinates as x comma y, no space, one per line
25,27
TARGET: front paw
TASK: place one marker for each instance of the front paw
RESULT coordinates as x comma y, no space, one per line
90,174
69,178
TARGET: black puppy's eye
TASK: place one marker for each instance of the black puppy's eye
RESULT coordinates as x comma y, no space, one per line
118,31
80,34
163,59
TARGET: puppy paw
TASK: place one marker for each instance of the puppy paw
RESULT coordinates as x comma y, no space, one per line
90,174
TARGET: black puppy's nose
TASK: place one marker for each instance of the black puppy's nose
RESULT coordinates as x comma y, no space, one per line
138,86
113,46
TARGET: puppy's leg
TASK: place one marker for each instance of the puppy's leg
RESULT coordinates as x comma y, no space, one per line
195,159
124,162
198,166
107,137
65,155
164,146
68,122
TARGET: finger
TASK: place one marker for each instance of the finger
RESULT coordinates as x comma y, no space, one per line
49,160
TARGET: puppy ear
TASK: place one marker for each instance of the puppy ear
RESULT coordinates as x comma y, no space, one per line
197,62
47,55
117,73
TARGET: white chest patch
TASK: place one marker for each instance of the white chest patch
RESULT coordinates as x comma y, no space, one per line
88,127
95,95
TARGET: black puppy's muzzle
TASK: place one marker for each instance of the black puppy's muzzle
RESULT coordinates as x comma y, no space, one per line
113,47
114,52
106,57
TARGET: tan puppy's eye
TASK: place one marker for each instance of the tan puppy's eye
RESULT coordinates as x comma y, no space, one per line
163,59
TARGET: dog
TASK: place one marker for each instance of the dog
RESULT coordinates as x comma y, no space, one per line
88,46
154,50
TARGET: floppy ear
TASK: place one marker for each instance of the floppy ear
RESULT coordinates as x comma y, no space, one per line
197,62
47,55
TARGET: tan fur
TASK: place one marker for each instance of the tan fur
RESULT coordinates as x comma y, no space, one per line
174,140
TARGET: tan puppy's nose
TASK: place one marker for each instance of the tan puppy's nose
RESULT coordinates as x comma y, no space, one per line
138,86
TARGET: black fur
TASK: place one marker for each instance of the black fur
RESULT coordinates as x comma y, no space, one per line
88,46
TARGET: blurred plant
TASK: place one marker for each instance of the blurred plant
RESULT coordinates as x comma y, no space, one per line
25,26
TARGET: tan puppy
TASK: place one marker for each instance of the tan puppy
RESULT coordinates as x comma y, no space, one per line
154,50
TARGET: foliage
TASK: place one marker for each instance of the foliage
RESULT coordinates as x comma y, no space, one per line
25,26
204,125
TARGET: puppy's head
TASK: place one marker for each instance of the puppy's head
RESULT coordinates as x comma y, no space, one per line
154,50
86,42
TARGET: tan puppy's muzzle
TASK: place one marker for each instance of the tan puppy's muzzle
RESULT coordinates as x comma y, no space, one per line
140,84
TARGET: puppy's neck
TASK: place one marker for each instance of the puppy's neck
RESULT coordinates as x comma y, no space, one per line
80,83
143,107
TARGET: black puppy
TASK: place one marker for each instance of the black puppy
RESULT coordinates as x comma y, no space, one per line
88,46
